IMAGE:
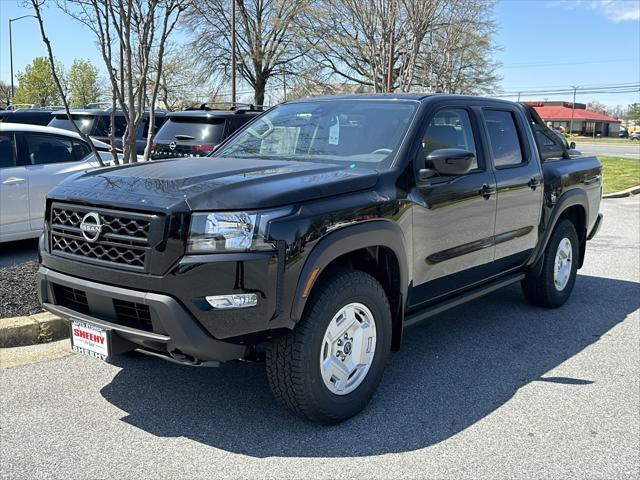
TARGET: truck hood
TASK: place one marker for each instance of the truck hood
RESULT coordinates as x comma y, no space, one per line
212,183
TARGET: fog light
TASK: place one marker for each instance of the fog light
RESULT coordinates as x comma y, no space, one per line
243,300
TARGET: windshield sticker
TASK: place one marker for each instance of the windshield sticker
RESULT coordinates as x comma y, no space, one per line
334,133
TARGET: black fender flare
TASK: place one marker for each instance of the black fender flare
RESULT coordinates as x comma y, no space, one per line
372,233
568,199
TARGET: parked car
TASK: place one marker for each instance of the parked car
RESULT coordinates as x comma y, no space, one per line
315,235
634,136
97,123
197,131
31,115
33,159
623,133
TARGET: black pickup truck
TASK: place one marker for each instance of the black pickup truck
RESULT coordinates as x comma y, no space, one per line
315,234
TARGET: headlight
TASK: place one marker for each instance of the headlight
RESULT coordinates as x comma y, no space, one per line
231,231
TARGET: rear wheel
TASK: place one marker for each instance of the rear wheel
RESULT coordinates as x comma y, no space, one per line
559,268
327,369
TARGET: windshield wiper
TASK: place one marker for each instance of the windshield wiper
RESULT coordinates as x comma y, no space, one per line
184,137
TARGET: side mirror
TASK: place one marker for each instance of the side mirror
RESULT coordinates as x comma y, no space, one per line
572,145
449,161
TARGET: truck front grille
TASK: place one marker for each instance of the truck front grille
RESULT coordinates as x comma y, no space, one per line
134,315
125,313
71,298
123,240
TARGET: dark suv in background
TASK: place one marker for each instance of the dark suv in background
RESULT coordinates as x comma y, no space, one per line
197,131
31,115
96,123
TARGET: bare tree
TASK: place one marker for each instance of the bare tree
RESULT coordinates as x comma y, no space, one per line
266,38
358,40
37,6
181,82
459,54
131,35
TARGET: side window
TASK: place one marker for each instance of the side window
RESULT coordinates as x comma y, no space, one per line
450,128
44,149
120,126
7,151
79,150
234,124
503,137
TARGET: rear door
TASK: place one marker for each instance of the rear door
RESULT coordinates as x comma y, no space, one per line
519,182
51,158
14,190
453,216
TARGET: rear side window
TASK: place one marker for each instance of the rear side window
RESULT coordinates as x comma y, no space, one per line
503,137
46,149
79,150
192,129
450,128
7,152
237,122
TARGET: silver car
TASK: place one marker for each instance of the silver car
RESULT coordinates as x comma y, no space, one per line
33,159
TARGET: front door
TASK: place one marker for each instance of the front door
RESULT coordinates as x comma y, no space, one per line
453,215
50,159
14,191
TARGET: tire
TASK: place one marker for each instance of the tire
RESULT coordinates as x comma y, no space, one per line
547,290
295,362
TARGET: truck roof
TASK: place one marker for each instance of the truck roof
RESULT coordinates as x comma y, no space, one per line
398,96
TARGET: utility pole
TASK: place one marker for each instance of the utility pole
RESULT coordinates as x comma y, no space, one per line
390,65
518,97
233,51
11,50
573,108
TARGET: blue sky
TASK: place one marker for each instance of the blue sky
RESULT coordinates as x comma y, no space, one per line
544,44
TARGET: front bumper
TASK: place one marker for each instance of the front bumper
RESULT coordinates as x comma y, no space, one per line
182,339
193,278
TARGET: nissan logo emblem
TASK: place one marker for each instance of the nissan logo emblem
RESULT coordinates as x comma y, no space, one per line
172,146
91,227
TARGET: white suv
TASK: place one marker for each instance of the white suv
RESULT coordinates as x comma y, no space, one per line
33,159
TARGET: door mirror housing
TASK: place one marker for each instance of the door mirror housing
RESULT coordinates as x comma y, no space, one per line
572,145
449,161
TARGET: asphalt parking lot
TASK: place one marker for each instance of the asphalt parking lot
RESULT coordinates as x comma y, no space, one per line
14,253
492,389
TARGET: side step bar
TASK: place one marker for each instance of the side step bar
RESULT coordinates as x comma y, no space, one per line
432,310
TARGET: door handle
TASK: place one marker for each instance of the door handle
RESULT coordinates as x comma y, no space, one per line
534,183
594,179
486,191
13,181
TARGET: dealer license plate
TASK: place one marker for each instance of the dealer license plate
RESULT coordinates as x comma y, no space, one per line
89,339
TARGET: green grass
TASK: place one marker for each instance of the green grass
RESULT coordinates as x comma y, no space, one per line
620,173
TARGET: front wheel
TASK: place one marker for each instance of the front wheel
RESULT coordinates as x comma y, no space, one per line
327,369
559,269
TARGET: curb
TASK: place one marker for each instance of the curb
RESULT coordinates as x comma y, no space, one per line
29,330
624,193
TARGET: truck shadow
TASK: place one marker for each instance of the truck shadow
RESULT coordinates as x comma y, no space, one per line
451,372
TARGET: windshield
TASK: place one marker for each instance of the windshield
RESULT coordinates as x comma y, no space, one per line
357,132
192,128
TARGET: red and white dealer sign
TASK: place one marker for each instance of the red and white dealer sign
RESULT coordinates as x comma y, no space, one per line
89,339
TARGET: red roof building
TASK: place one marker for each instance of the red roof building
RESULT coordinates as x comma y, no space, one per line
564,115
